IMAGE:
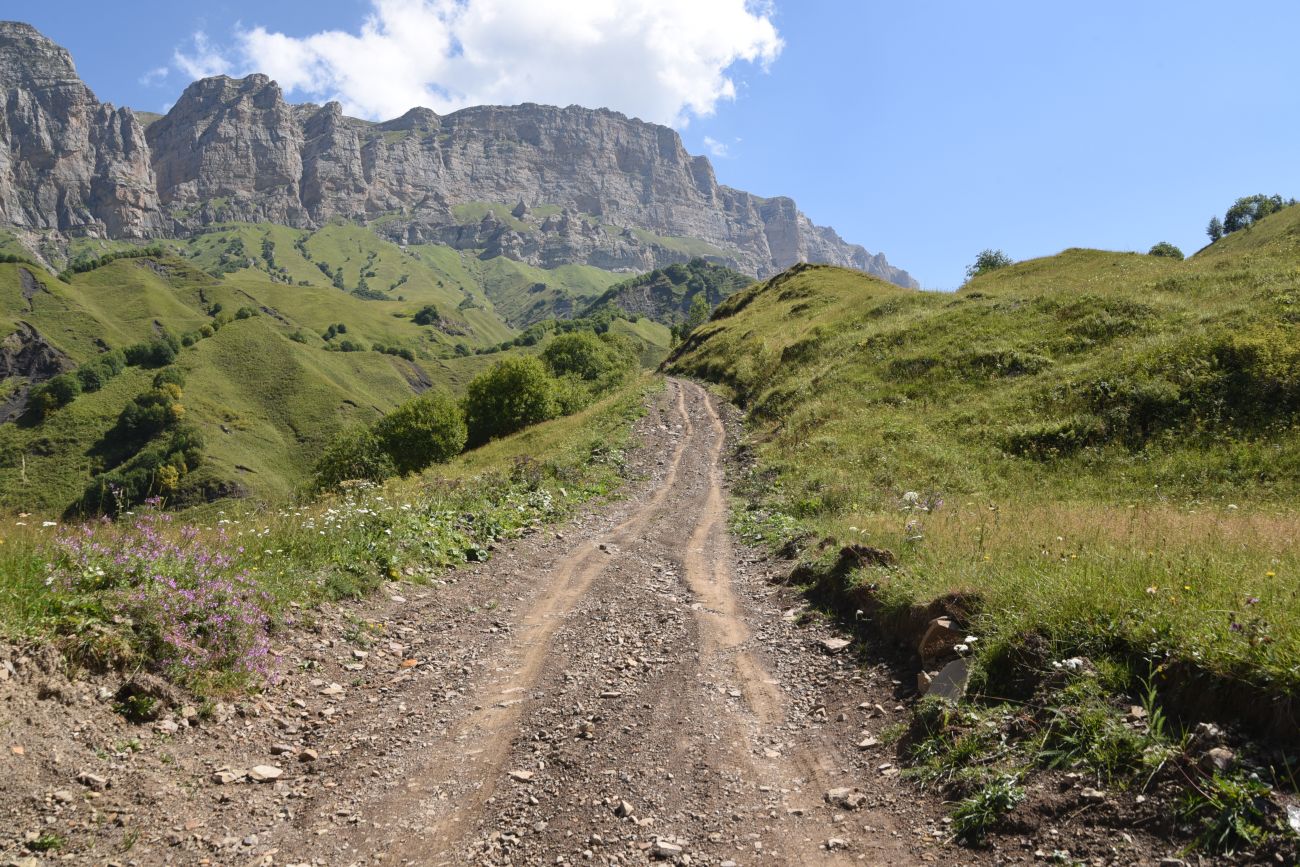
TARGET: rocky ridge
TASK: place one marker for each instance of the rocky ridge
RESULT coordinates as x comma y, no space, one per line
67,161
540,184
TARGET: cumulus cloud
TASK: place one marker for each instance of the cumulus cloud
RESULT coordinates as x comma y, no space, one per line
202,59
661,60
715,147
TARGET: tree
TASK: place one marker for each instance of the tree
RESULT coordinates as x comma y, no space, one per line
583,354
353,455
426,315
1248,210
515,393
1166,249
59,391
426,430
986,261
697,315
1215,229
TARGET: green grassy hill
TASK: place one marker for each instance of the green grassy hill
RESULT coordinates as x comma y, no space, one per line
268,389
1098,449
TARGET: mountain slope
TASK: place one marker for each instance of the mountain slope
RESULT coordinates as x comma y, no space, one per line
541,185
1099,447
262,385
665,294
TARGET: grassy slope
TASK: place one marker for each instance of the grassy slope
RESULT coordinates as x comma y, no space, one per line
859,392
264,402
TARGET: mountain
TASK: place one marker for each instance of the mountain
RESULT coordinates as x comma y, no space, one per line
67,161
540,185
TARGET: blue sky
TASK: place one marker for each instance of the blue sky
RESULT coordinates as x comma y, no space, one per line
927,130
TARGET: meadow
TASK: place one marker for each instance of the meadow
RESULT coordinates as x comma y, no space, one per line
201,593
1097,449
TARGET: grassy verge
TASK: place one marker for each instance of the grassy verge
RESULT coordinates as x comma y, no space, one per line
199,596
1089,457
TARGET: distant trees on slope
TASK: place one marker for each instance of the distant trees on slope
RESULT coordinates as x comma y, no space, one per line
1244,213
986,261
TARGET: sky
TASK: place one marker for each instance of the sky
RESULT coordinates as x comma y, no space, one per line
928,130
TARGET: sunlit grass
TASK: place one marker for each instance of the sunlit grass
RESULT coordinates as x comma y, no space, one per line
298,554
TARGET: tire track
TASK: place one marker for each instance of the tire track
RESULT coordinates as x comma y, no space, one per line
463,773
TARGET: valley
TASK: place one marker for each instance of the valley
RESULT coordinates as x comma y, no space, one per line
495,486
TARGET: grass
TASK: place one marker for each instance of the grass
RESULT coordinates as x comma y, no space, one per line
1092,465
296,555
264,392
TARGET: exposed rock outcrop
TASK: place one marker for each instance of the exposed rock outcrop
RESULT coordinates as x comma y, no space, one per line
25,353
567,185
67,161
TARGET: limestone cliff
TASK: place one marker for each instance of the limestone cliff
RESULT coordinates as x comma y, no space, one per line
67,162
540,184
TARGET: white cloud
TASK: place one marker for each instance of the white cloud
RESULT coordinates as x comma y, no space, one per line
204,59
155,77
661,60
715,147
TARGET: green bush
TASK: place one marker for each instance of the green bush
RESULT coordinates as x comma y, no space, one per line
514,394
172,375
158,352
54,393
426,430
584,355
354,455
1166,249
156,470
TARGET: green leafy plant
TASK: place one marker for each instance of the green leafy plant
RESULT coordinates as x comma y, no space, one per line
975,816
1231,812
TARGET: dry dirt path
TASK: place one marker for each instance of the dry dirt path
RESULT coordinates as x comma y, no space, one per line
632,688
631,716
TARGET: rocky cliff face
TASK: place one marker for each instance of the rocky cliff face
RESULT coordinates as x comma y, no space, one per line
588,186
67,162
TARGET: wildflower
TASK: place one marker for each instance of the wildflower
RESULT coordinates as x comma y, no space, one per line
1270,574
1153,590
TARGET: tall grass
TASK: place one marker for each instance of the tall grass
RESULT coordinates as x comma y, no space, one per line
1104,447
198,595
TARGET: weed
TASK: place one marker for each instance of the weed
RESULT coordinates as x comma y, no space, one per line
1231,812
976,815
46,843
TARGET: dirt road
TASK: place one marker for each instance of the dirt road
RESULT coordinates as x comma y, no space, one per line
628,689
631,715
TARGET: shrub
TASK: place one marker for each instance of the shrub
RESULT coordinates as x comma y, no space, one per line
95,374
354,455
426,430
158,352
1166,249
54,393
515,393
169,375
191,613
155,470
91,376
427,315
584,355
986,261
